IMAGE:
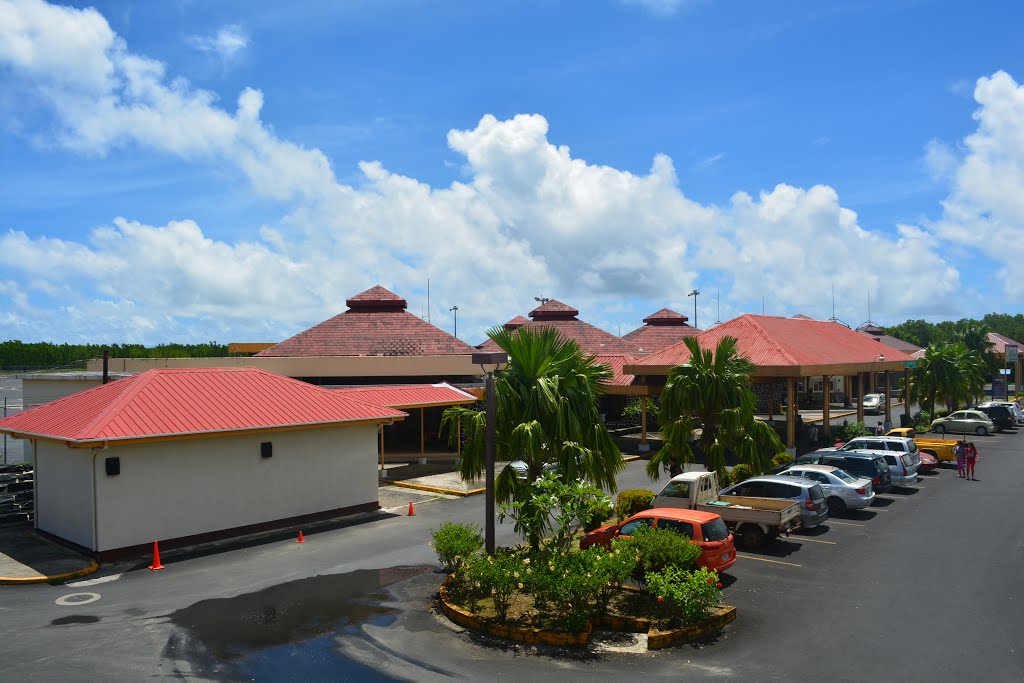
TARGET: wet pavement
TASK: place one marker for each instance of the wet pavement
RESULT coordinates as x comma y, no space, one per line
26,557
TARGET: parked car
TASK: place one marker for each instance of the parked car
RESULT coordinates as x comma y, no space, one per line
874,403
1000,414
889,442
842,490
813,508
1018,413
706,529
964,421
871,466
928,464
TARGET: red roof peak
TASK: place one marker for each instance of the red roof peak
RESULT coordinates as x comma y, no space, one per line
552,309
377,298
666,316
516,322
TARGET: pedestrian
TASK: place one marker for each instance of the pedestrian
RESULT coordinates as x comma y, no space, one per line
812,435
960,451
878,429
970,458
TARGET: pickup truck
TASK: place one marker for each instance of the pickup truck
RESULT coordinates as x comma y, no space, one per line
752,520
942,449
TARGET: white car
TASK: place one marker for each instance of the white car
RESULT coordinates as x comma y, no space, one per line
1018,414
900,453
874,403
842,490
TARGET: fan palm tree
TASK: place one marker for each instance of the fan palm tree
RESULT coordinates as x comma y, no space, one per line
547,413
712,392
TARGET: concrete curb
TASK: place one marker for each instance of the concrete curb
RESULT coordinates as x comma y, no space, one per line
16,581
433,489
630,458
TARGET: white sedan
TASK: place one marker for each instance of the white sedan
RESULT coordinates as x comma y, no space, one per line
843,491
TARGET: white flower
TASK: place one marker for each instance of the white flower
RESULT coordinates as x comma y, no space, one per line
520,586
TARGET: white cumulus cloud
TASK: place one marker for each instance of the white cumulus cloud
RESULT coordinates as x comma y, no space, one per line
225,44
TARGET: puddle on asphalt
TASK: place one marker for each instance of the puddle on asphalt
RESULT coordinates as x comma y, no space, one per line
288,631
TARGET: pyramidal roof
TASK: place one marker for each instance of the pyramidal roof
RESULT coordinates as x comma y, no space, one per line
375,324
552,309
661,330
562,317
194,401
516,322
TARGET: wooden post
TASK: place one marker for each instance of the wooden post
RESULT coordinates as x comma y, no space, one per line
381,428
791,413
860,397
906,391
826,407
888,390
771,403
644,447
458,438
423,447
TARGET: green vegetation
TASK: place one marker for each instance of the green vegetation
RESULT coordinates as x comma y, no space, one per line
781,459
547,412
741,472
454,542
44,355
632,501
656,548
554,507
712,393
851,430
925,334
951,372
687,596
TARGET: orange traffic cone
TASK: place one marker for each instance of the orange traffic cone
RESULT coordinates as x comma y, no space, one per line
156,558
411,511
301,538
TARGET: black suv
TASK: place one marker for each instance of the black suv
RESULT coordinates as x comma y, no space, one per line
865,465
1002,416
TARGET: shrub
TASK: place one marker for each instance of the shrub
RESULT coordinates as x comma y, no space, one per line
614,567
556,506
632,501
741,472
454,543
656,548
724,477
782,459
496,576
686,595
575,586
851,430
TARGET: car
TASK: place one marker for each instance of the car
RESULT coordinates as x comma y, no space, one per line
881,444
706,529
842,490
869,465
813,508
964,422
1000,414
874,403
928,464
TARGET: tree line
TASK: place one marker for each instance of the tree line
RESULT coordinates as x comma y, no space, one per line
16,355
925,334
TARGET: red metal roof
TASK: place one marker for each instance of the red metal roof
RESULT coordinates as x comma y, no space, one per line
409,395
779,342
662,329
174,402
616,362
376,324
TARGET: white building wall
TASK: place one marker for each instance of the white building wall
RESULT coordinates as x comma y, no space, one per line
63,494
178,488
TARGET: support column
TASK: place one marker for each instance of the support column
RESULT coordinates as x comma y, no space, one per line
860,397
791,413
888,390
847,390
826,407
423,427
458,440
771,403
644,446
906,392
380,431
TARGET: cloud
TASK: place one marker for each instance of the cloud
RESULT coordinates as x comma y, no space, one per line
225,44
657,7
529,219
939,160
710,161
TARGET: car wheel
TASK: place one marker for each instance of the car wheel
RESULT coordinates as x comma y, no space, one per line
751,536
836,506
939,429
981,431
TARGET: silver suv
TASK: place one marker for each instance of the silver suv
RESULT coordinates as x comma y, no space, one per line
813,508
900,452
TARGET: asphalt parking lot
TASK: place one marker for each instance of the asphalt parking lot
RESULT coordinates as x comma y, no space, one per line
924,585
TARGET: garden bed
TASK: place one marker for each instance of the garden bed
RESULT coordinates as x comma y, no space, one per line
624,614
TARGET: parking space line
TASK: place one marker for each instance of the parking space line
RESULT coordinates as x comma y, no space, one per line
801,539
765,559
872,508
832,521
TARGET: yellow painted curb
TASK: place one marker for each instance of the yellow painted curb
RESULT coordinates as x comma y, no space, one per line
14,581
432,489
657,639
630,458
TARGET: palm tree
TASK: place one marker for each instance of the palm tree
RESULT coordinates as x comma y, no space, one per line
952,372
547,413
712,392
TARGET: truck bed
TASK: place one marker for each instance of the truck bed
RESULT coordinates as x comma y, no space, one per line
768,511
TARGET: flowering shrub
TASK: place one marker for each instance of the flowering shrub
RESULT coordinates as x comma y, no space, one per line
686,595
632,501
557,507
782,459
454,543
614,568
496,576
741,472
569,585
656,548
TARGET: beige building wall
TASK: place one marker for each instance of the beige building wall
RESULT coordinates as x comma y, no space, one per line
63,496
36,392
313,366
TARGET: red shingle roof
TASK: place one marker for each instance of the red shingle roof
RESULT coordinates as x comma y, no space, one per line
409,395
175,402
516,322
662,329
553,309
782,342
376,324
666,316
591,339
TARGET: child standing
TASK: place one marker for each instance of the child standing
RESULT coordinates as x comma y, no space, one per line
970,458
959,450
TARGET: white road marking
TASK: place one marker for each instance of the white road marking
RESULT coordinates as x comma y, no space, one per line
94,582
765,559
75,599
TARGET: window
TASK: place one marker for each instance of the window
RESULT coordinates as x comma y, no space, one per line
685,528
676,489
844,476
628,528
891,459
715,530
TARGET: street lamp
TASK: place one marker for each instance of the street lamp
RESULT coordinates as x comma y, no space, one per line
542,299
695,293
497,359
455,309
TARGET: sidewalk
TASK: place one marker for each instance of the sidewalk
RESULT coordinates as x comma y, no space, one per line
26,557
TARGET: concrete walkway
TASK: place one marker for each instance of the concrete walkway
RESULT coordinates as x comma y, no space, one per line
26,557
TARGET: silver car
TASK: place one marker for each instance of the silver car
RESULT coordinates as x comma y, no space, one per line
874,403
1018,414
963,422
843,491
900,453
813,508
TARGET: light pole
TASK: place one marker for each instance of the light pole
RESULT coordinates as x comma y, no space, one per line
542,299
695,293
498,359
455,309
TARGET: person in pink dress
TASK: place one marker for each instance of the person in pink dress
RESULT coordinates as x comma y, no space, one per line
960,451
970,459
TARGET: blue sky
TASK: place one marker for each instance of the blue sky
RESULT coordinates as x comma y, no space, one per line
187,171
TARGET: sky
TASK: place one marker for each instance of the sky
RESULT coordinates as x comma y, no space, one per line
234,171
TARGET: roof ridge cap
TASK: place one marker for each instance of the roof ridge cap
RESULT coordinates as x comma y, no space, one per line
142,379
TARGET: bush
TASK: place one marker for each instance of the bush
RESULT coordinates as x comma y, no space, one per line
454,543
632,501
686,595
851,430
559,507
498,577
782,459
614,567
724,477
657,548
741,472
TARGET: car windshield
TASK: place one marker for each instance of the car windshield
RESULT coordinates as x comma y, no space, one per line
843,475
715,530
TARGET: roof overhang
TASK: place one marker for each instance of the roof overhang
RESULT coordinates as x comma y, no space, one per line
837,369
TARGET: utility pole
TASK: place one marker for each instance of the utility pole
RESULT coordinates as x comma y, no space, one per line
455,309
695,293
